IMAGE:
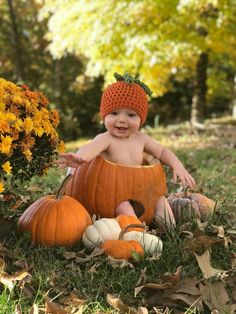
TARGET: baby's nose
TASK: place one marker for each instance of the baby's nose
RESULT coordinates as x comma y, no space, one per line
122,117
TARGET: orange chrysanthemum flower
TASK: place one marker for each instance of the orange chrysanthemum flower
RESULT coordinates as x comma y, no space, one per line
28,139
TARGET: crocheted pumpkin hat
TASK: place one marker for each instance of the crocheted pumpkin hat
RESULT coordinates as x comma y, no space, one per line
127,92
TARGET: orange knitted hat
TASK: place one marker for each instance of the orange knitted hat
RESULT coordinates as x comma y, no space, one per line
127,92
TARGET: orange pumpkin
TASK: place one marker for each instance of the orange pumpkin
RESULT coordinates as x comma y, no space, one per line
187,203
125,221
122,249
101,185
55,220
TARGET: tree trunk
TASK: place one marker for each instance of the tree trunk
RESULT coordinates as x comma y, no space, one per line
200,89
234,99
18,51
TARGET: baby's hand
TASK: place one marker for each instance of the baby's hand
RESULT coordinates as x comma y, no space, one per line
185,178
70,160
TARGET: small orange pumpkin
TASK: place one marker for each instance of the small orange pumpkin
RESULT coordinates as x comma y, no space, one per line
122,249
101,186
55,220
125,220
188,203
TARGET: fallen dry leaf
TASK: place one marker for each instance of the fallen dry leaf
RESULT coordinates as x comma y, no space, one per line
173,278
184,293
9,280
202,225
22,264
204,263
70,255
118,263
54,308
202,242
142,278
80,311
233,262
219,230
2,264
73,298
121,307
142,310
17,309
216,297
170,281
87,258
34,309
160,311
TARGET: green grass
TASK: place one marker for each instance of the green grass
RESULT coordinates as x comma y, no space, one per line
211,160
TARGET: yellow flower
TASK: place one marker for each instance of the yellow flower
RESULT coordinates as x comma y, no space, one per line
4,126
28,106
38,116
7,167
2,105
47,127
28,125
5,146
17,99
27,154
54,116
18,124
61,147
39,131
1,187
10,116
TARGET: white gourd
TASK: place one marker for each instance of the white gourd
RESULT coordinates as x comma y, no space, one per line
150,243
101,230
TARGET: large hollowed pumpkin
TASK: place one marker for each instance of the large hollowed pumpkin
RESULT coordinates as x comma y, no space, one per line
55,220
101,185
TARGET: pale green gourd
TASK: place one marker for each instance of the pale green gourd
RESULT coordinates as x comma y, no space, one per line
150,243
101,230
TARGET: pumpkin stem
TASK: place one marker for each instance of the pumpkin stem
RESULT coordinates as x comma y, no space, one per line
62,187
186,191
123,231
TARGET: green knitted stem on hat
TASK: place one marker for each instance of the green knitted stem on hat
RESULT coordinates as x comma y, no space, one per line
128,78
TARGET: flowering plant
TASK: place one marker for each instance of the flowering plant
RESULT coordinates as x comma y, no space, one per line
28,139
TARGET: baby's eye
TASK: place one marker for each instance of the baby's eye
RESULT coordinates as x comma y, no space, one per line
132,115
114,113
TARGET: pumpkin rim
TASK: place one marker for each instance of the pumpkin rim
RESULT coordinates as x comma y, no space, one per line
127,166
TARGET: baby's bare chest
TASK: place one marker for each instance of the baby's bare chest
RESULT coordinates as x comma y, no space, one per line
125,152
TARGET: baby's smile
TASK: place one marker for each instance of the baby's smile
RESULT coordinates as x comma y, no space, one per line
121,128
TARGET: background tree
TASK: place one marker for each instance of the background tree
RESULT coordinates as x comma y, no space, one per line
154,39
25,58
188,62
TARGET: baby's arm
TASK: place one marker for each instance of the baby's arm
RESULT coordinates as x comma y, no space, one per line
167,157
86,153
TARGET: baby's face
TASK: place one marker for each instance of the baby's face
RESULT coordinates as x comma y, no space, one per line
122,122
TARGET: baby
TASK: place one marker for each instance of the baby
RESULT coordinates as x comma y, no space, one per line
124,107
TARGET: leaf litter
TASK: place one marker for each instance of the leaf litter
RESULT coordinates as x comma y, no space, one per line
215,290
